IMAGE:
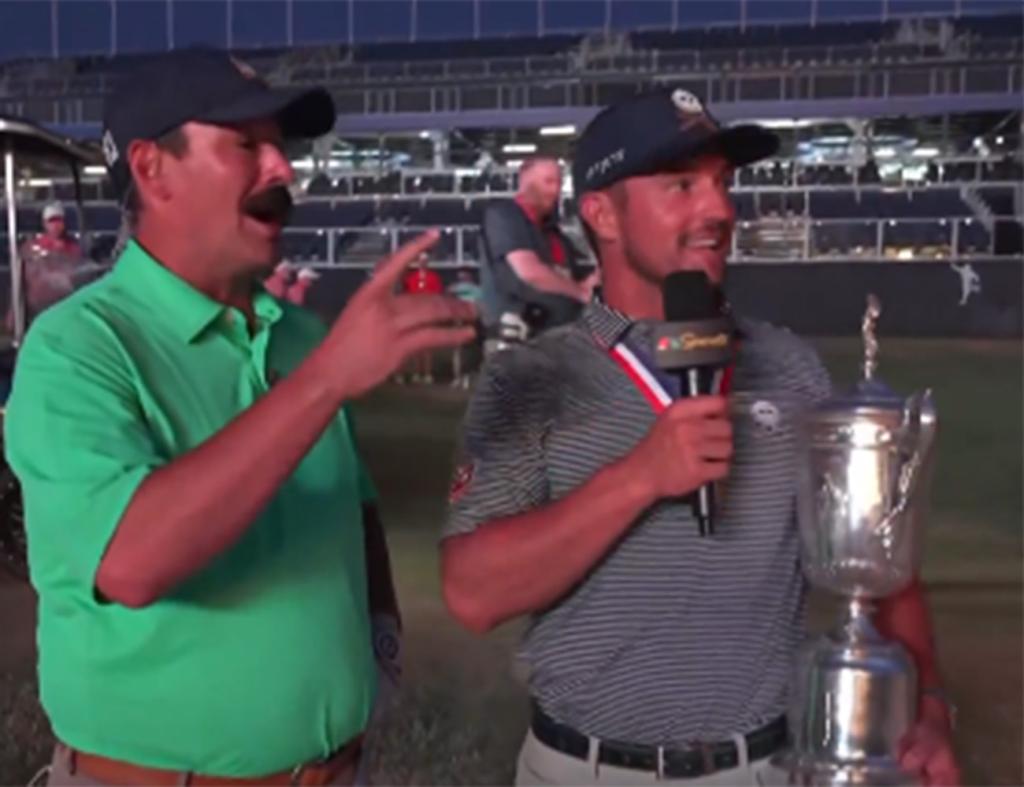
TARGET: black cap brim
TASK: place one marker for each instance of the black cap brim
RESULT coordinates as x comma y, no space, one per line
302,113
739,145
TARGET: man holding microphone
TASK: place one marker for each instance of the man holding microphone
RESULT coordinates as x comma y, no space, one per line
656,653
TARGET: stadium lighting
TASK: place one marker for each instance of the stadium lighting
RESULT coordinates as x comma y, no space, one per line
558,131
93,170
1000,140
424,135
519,147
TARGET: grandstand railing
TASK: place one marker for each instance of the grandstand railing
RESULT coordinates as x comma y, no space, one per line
768,240
637,60
791,239
650,62
416,182
514,92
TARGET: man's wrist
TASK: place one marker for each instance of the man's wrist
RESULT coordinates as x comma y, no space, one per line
323,382
636,487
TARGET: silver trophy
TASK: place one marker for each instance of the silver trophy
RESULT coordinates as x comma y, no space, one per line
862,504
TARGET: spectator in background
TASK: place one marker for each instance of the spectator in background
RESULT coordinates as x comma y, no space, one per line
55,238
299,289
51,259
423,281
278,282
528,260
465,288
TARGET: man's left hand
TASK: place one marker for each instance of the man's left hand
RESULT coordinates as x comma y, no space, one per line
927,750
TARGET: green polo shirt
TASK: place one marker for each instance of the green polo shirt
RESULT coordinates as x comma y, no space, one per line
262,660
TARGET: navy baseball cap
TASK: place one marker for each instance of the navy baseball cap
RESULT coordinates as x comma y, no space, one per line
656,130
204,86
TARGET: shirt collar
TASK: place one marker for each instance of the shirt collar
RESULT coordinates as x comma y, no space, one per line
187,311
606,325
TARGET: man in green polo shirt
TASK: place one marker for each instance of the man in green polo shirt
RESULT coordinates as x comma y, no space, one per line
194,499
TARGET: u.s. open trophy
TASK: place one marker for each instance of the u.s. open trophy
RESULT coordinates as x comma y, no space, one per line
862,502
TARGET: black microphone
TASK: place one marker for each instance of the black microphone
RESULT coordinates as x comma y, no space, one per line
695,343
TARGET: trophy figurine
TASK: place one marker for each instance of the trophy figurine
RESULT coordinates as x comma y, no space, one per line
861,507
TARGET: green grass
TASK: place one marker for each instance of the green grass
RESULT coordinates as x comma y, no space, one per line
462,711
973,562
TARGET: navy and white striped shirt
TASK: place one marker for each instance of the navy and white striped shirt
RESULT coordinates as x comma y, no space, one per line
671,637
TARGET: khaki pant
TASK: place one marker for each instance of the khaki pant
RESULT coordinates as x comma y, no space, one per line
60,773
541,765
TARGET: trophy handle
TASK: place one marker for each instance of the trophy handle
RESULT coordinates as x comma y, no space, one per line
918,429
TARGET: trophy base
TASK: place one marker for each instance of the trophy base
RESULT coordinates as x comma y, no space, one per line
795,771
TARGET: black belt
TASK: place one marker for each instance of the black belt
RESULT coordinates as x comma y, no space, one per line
700,759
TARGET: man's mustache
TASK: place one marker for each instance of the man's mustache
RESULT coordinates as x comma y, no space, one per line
273,205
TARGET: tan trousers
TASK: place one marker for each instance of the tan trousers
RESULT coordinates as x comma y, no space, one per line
541,765
60,773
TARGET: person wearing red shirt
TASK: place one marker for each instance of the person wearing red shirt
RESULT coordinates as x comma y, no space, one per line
51,259
55,238
420,280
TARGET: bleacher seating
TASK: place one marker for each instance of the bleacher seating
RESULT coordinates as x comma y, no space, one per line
784,209
714,49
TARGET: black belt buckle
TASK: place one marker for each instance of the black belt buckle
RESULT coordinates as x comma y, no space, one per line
707,756
691,763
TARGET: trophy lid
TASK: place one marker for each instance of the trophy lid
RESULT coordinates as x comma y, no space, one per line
870,393
867,394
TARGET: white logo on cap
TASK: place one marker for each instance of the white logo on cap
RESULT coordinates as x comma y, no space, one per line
244,68
691,111
110,153
686,102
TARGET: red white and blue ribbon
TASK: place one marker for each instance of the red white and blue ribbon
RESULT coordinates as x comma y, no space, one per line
649,385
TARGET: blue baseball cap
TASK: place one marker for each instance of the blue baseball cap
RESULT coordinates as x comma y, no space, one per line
204,86
656,130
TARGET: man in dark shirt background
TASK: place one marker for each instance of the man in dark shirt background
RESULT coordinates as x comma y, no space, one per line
528,259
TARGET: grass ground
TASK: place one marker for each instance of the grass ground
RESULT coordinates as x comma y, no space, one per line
462,712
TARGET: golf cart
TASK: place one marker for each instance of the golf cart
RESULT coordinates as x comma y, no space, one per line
39,277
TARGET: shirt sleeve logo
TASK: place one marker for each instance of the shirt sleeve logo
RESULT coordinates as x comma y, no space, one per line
766,416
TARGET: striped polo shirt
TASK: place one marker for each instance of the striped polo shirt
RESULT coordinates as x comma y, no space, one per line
671,637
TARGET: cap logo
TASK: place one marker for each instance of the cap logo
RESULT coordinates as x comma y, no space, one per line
690,110
110,152
244,68
601,166
686,102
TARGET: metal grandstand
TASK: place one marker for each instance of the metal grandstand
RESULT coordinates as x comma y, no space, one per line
901,134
